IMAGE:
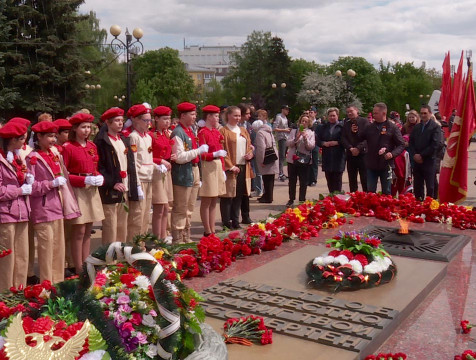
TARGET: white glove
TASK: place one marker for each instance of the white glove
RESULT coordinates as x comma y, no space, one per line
200,184
224,175
99,180
10,157
89,180
140,193
26,189
59,181
161,168
203,149
219,153
29,179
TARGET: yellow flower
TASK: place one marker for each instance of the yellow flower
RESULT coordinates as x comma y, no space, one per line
99,295
261,226
298,214
434,205
158,254
339,215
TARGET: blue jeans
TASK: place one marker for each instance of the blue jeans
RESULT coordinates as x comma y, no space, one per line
385,180
257,181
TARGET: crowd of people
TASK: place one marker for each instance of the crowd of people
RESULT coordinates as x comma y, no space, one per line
55,186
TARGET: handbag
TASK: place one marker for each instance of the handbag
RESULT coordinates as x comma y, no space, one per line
303,158
269,155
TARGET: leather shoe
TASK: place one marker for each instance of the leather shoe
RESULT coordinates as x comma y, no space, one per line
235,226
290,203
246,221
264,201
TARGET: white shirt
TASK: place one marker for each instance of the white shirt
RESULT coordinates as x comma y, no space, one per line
240,145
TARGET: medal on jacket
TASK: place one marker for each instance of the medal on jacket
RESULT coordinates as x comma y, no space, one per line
384,130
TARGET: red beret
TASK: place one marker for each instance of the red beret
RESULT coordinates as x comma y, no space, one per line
112,113
63,124
81,118
137,110
211,109
45,127
186,107
162,111
20,121
12,130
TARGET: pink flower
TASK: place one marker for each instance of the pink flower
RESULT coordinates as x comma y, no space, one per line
123,299
152,313
142,338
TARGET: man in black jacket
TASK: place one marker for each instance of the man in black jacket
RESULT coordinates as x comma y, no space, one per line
117,165
425,140
384,143
355,148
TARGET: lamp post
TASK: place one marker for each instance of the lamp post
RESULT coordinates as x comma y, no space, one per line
93,88
349,86
129,47
119,98
281,92
422,99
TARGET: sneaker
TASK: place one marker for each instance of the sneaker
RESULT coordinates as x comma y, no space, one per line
282,178
168,240
290,203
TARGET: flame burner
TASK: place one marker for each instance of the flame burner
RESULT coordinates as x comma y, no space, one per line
420,244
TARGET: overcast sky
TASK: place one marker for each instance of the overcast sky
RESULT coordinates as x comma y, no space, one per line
319,30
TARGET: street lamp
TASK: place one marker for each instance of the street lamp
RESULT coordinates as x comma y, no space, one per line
129,47
349,86
119,98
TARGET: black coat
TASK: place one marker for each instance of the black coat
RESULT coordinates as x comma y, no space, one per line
353,140
388,136
108,166
333,157
426,143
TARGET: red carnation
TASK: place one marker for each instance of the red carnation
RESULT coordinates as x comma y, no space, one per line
466,326
123,174
334,253
128,279
362,259
348,254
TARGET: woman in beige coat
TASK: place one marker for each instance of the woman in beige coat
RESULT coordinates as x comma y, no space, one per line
265,139
237,144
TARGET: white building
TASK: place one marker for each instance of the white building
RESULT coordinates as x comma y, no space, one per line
208,62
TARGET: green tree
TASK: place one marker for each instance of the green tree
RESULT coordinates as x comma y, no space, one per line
41,57
366,84
213,93
262,61
161,78
299,69
404,83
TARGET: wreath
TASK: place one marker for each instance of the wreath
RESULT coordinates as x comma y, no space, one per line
357,261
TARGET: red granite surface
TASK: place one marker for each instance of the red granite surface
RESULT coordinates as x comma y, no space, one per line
432,331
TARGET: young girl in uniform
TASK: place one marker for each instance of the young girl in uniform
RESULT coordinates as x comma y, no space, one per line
81,159
15,185
50,191
162,191
213,170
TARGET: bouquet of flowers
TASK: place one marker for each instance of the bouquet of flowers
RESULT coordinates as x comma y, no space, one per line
389,356
247,329
357,261
466,355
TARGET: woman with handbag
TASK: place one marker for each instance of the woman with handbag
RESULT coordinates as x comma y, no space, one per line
333,153
300,143
266,160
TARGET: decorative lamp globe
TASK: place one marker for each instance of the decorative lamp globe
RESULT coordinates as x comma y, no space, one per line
339,73
273,85
351,73
115,30
283,85
138,33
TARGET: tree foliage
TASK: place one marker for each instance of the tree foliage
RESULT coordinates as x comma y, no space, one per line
404,83
41,57
161,78
366,85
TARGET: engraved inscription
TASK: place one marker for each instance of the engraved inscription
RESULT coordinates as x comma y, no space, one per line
348,325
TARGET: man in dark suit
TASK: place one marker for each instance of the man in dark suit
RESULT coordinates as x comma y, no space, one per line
355,148
424,143
384,143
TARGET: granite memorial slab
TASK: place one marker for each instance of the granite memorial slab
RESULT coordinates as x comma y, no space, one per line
315,324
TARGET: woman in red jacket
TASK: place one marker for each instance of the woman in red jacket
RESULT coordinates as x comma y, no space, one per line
213,170
81,159
162,191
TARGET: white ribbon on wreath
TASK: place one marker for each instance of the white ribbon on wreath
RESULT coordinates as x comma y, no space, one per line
116,249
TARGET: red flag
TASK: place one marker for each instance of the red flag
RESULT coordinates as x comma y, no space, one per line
444,105
457,85
454,169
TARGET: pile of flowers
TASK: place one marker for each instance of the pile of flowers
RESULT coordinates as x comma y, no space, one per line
4,251
466,355
356,261
246,330
389,356
304,222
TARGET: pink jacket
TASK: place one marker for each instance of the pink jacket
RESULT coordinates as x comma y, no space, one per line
14,207
49,203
